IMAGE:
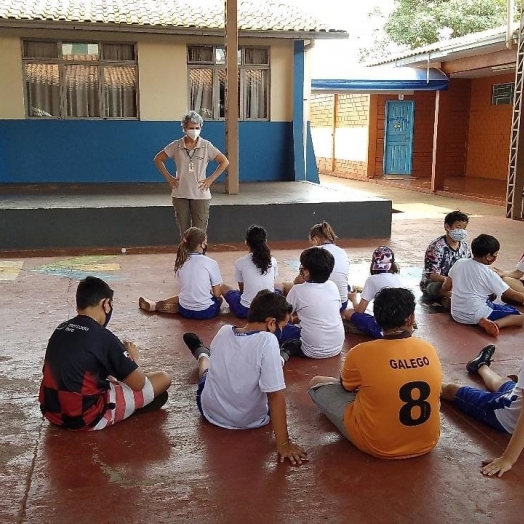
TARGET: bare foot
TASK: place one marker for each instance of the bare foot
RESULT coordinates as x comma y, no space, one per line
146,305
489,327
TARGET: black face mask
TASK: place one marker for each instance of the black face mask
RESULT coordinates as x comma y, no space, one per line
108,315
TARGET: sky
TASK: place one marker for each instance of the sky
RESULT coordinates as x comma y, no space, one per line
333,58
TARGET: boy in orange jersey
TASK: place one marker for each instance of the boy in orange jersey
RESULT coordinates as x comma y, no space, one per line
387,399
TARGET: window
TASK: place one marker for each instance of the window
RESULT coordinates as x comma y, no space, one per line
207,81
502,94
80,80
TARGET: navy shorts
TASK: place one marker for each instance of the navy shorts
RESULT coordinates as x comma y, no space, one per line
233,299
344,306
483,405
501,310
212,311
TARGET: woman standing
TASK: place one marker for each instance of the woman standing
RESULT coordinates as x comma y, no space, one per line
189,186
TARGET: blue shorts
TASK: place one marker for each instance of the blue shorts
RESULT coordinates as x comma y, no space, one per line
344,306
482,405
289,331
201,384
233,299
367,324
501,310
212,311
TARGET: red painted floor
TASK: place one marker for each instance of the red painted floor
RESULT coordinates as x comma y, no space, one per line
171,467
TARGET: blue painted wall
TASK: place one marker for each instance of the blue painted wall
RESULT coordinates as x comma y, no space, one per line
83,151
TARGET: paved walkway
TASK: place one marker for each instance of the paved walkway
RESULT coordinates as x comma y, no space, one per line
171,467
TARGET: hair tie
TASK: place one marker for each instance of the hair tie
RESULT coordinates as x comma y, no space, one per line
184,240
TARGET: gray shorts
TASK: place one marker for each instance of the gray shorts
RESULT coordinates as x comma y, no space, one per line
332,400
433,290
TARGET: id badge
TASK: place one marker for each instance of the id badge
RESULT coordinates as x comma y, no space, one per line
191,167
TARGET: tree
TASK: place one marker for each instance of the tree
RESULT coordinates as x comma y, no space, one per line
416,23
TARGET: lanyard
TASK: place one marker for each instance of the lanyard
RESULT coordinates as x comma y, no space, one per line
189,155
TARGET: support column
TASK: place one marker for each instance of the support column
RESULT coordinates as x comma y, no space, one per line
440,133
231,96
334,134
298,111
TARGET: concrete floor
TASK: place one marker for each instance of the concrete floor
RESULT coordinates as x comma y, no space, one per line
171,467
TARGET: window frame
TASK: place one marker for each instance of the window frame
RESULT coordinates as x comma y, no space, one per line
242,69
498,99
100,64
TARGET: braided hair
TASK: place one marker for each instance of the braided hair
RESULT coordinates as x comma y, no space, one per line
191,239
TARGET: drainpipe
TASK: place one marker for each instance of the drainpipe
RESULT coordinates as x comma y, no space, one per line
509,33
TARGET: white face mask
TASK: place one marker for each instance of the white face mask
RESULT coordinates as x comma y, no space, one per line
458,234
193,134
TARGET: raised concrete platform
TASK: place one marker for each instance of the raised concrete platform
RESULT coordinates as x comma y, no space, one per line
141,215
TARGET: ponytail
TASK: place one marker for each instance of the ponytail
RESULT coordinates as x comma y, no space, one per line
323,230
192,238
256,237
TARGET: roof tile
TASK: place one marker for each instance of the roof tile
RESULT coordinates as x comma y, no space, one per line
204,14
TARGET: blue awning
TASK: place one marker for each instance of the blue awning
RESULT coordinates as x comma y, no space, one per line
384,79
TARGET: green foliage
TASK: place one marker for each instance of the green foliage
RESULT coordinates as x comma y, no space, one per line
415,23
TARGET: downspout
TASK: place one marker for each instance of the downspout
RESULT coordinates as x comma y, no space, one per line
307,47
509,33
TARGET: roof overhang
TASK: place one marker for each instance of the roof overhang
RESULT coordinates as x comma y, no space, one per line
167,29
384,80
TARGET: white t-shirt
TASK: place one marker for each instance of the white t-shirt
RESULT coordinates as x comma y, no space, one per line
374,283
473,283
318,308
244,367
520,264
339,275
196,276
199,158
249,274
511,404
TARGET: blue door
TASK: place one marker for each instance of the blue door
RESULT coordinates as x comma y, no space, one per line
398,142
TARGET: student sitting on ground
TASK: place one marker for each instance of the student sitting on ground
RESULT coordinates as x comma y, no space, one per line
474,285
514,279
200,281
383,271
386,401
253,272
316,303
241,382
500,407
323,235
91,380
441,254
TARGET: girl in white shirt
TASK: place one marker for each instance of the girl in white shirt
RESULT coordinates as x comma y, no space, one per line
383,271
199,278
323,235
253,272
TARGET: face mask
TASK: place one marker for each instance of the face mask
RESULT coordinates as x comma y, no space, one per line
458,234
108,315
193,134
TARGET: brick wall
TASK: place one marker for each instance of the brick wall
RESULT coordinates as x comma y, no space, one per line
459,94
352,112
489,131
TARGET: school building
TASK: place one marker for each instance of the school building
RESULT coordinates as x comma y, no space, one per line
432,117
90,91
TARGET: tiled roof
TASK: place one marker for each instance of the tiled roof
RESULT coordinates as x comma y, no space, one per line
253,15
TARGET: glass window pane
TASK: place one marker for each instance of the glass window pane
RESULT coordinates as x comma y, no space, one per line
223,94
255,91
118,52
40,50
220,55
80,51
201,92
42,90
120,92
196,54
254,56
82,93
